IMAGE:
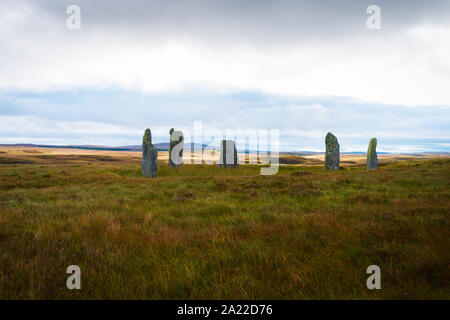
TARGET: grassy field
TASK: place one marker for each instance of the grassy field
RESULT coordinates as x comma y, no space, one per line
200,232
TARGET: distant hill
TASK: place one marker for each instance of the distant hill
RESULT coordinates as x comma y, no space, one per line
164,146
161,146
85,147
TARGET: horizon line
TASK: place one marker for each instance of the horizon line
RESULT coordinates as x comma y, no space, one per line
138,148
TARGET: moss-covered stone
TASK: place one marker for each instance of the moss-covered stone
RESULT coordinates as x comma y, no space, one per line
147,139
332,157
228,154
372,158
149,156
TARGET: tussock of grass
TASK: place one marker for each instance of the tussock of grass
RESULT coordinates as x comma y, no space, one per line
204,232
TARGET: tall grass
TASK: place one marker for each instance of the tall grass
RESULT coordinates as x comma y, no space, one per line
204,232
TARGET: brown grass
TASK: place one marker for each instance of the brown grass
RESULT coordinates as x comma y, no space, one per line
203,232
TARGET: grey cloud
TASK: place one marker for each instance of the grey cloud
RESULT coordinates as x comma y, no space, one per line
250,21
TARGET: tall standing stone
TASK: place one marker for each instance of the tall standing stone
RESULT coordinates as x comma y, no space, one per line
332,152
372,159
176,148
149,156
228,154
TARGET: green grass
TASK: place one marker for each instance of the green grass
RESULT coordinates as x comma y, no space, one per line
200,232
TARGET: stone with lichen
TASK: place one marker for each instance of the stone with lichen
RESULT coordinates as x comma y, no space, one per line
228,154
372,159
332,152
149,156
176,148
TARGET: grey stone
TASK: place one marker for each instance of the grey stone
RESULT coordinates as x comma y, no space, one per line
228,154
176,148
332,152
149,156
372,159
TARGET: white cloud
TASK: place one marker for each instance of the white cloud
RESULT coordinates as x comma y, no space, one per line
30,129
408,66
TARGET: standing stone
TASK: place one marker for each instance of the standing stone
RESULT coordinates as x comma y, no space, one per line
176,148
228,154
372,159
149,156
332,152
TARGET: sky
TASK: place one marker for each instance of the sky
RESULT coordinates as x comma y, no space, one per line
302,67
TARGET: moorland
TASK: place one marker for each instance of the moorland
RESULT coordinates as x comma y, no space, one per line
202,232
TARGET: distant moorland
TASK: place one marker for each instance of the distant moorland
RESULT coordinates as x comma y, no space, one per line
202,232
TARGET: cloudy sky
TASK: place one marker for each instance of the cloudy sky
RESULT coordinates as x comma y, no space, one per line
303,67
